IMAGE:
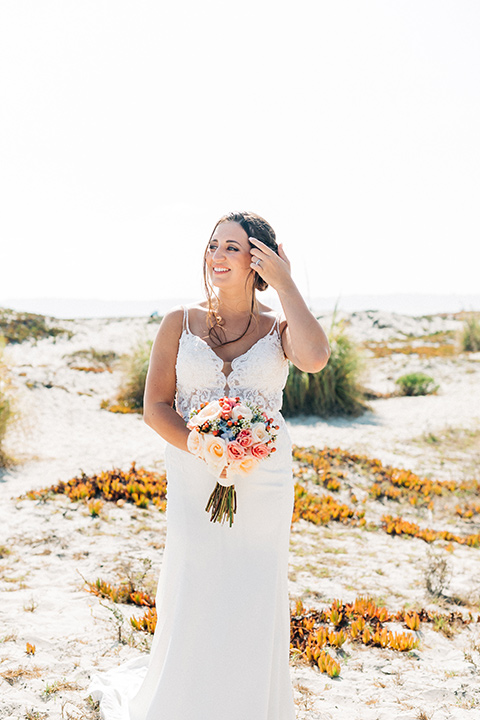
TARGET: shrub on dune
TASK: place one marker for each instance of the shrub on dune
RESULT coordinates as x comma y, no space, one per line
471,335
6,409
417,384
18,327
333,391
135,368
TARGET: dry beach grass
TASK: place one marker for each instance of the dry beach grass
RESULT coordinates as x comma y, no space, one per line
50,546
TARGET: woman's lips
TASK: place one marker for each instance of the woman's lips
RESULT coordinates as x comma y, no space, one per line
220,270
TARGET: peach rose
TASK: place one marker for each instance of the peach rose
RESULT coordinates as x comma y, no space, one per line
243,466
195,444
235,451
260,435
260,451
214,453
245,437
211,411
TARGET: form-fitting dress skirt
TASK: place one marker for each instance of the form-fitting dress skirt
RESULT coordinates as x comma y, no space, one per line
221,645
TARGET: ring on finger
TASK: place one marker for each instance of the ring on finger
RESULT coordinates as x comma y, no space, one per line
257,262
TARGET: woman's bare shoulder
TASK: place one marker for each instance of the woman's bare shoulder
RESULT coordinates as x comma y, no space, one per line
270,313
173,321
197,313
170,329
173,318
273,316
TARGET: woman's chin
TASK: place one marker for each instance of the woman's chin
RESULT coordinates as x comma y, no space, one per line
219,280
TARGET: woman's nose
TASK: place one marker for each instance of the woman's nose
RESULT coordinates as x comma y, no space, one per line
219,253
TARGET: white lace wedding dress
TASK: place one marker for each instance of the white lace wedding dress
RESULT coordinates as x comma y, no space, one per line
221,645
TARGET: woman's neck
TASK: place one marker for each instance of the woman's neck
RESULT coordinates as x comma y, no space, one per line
231,304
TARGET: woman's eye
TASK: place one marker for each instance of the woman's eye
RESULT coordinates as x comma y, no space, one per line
212,248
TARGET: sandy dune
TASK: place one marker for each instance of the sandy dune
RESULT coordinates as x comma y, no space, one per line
47,549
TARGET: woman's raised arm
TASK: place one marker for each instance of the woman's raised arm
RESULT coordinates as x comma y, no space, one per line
303,339
158,411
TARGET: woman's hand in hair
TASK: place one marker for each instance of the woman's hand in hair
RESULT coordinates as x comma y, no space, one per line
273,268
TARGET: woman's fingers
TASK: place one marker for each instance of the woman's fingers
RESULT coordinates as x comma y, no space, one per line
283,254
261,251
272,267
259,244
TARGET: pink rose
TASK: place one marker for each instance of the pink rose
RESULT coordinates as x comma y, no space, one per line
227,404
260,451
231,402
245,438
235,451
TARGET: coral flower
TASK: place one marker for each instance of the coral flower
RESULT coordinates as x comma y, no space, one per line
245,437
260,451
235,451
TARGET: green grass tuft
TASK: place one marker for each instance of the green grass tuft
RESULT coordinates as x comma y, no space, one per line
6,406
417,384
333,391
135,368
471,335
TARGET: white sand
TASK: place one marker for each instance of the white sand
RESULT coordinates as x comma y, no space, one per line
53,545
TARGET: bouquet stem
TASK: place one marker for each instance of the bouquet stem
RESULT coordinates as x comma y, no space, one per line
222,503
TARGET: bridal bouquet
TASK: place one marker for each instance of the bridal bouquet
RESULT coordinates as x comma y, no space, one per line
230,434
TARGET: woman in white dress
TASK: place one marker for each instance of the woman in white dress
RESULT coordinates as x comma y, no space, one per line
221,645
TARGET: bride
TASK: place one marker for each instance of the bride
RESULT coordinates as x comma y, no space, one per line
221,644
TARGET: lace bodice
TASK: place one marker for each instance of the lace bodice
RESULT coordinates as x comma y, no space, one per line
258,375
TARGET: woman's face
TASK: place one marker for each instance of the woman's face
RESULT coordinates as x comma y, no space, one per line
228,255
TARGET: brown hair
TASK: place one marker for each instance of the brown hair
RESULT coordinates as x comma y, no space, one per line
255,226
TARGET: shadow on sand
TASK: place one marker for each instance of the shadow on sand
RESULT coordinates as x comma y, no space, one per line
367,419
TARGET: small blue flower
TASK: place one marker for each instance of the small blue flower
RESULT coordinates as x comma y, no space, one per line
227,436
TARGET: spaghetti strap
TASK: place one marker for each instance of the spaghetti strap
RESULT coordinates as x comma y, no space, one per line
275,325
185,319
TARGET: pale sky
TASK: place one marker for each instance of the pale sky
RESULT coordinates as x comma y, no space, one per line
128,128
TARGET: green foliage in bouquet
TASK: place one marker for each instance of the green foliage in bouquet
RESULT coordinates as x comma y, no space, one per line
333,391
471,335
416,384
